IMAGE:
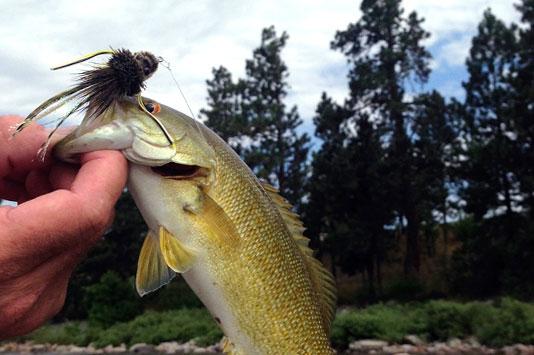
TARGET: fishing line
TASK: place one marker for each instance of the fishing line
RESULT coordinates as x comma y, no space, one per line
167,65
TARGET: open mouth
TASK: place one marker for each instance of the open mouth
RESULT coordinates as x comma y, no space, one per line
178,171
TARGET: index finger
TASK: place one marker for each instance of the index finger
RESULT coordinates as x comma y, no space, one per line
57,221
18,154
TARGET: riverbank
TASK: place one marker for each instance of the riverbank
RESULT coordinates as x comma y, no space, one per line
171,347
413,346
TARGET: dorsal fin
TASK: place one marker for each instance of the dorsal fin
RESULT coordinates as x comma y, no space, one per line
322,280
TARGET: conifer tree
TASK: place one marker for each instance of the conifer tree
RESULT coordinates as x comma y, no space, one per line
224,116
490,169
251,116
277,152
385,52
523,104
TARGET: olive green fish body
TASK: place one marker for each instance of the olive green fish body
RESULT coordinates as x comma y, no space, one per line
233,238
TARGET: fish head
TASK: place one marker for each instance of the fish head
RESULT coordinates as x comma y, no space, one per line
166,139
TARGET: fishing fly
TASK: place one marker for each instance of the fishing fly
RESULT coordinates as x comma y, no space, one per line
124,74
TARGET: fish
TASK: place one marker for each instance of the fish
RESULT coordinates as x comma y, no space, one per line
233,238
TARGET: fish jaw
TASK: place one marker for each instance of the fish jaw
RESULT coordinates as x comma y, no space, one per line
113,136
173,138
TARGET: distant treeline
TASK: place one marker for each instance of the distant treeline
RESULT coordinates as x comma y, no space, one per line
392,162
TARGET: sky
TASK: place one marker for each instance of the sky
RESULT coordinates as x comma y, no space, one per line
198,35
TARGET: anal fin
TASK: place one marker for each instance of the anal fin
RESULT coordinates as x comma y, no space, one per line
177,256
152,271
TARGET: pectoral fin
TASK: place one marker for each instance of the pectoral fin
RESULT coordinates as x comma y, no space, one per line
216,224
177,256
152,271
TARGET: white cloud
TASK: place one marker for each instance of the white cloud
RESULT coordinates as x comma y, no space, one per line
455,52
196,36
453,23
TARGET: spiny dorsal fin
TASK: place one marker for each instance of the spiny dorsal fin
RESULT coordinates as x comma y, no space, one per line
322,280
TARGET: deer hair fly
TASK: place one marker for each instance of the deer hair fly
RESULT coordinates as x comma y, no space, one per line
124,74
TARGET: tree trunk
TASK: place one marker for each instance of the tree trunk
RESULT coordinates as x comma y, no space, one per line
379,275
445,231
412,262
371,278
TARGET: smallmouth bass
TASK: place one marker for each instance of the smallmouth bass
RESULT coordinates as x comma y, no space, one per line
235,241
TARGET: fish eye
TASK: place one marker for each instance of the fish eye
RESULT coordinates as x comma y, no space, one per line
146,71
153,107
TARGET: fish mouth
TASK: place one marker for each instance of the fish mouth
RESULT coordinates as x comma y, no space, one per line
179,171
126,128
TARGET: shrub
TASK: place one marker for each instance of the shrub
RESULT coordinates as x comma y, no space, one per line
154,328
509,322
65,333
390,322
447,319
111,300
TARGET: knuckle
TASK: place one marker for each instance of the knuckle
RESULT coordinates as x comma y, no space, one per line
14,313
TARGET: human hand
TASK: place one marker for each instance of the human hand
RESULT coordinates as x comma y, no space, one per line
63,210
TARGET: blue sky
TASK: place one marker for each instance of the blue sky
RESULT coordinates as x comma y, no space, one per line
197,35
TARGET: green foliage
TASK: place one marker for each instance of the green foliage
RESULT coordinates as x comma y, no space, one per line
277,153
503,322
154,328
224,116
390,322
447,319
506,322
65,333
491,169
111,300
510,321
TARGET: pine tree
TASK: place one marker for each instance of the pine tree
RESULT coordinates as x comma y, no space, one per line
435,154
345,208
277,152
251,116
385,52
523,107
491,167
326,196
498,243
224,116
